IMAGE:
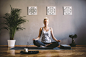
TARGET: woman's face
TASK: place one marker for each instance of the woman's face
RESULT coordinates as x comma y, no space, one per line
46,22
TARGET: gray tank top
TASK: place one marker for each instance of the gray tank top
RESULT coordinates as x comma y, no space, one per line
46,36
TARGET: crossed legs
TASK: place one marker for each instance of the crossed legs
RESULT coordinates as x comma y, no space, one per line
39,43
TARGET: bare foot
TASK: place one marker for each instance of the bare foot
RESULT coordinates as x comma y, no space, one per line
48,44
42,46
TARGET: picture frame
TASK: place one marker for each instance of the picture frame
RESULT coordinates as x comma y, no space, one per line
32,10
51,10
67,10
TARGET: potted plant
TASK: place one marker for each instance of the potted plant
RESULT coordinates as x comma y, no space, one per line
12,24
73,42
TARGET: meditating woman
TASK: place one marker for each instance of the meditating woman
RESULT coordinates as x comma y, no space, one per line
46,32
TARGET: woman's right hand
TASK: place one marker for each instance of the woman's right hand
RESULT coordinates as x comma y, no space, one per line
36,38
33,39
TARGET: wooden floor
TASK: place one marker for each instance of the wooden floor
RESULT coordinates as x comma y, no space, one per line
79,51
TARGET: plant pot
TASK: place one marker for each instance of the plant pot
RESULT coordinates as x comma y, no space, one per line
11,43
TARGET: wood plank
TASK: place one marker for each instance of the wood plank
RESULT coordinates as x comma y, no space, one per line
75,52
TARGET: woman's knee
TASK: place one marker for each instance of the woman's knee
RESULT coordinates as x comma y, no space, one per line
34,41
58,43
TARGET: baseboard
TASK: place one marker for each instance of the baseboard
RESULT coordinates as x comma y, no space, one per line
34,45
81,45
15,45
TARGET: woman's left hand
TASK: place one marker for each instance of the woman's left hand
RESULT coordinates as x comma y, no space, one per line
58,40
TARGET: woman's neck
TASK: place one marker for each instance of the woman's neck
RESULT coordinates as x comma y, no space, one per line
45,26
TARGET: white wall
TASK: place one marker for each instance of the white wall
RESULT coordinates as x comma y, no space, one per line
62,25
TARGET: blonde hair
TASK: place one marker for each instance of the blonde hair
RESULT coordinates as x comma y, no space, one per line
46,18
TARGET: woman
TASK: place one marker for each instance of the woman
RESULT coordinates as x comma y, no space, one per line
46,32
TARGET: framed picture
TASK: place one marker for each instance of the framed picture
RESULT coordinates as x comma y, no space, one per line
67,10
32,10
51,10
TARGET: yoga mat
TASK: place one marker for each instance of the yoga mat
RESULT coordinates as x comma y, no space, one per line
38,48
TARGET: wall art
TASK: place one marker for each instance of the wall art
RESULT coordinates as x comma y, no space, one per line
32,10
67,10
51,10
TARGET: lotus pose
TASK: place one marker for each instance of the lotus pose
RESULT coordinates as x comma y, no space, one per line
46,32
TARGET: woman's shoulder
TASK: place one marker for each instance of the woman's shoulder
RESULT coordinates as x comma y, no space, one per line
41,28
50,28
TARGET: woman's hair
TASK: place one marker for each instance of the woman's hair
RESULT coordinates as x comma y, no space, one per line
46,18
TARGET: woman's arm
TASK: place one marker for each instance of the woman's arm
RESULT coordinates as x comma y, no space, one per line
40,31
53,36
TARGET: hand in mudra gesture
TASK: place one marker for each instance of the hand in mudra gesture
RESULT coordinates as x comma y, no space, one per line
58,40
33,39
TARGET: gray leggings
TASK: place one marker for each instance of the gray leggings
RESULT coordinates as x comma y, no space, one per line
39,43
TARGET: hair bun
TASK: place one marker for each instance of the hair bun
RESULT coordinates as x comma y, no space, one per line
46,18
